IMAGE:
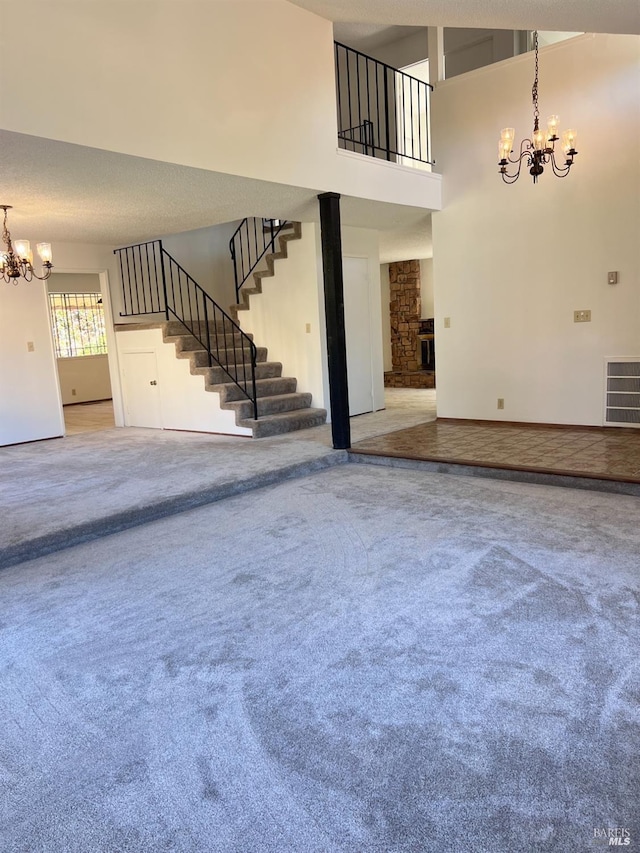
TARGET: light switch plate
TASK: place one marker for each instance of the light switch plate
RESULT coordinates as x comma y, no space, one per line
447,322
612,277
582,316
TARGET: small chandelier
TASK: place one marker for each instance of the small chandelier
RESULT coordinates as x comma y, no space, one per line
18,263
539,151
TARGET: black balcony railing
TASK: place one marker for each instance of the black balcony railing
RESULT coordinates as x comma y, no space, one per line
251,241
153,282
382,112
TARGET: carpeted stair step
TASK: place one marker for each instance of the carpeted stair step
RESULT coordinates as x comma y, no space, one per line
218,376
284,422
199,358
187,343
272,405
173,328
229,391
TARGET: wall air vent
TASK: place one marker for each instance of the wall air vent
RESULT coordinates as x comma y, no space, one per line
622,397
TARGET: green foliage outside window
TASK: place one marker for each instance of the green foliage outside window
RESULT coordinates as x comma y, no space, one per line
78,324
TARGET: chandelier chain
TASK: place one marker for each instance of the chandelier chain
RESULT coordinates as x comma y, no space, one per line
6,236
534,90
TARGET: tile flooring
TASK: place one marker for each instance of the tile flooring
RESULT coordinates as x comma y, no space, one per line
608,453
88,417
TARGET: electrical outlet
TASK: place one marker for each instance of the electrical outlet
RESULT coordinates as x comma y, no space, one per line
582,316
501,402
447,322
73,392
30,346
308,328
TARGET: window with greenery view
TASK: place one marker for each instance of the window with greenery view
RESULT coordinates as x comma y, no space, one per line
78,324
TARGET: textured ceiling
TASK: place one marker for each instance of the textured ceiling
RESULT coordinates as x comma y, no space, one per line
76,194
591,16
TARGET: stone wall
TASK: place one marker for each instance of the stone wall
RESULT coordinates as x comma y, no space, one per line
404,310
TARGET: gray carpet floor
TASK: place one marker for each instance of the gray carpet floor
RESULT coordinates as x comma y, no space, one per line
364,659
63,491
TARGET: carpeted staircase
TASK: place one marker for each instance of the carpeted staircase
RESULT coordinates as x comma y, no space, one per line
281,408
291,231
153,282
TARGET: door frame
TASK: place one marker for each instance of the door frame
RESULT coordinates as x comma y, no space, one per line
112,349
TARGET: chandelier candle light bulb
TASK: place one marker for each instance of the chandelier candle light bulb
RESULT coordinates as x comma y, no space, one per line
569,142
23,250
44,251
539,151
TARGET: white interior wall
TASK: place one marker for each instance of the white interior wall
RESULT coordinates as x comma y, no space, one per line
385,314
512,263
205,255
405,51
468,49
288,319
30,407
84,379
245,89
465,49
184,403
426,288
61,282
364,243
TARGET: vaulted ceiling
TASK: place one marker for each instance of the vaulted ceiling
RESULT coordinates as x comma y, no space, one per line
100,196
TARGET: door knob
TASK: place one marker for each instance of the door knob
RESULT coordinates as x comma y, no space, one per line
153,382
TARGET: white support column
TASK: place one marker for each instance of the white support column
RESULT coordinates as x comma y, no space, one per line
435,40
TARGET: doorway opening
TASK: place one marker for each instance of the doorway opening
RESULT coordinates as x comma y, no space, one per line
409,331
80,344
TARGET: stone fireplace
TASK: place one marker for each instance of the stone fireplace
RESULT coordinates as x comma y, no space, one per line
405,310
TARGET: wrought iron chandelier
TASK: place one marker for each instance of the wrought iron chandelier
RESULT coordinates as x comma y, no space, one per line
17,263
540,150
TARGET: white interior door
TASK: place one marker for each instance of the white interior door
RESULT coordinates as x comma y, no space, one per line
140,389
357,320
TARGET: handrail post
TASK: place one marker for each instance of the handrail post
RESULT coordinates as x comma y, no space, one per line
254,392
206,325
164,282
232,249
386,113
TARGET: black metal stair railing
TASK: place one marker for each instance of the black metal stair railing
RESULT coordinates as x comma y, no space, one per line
382,112
251,241
153,282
